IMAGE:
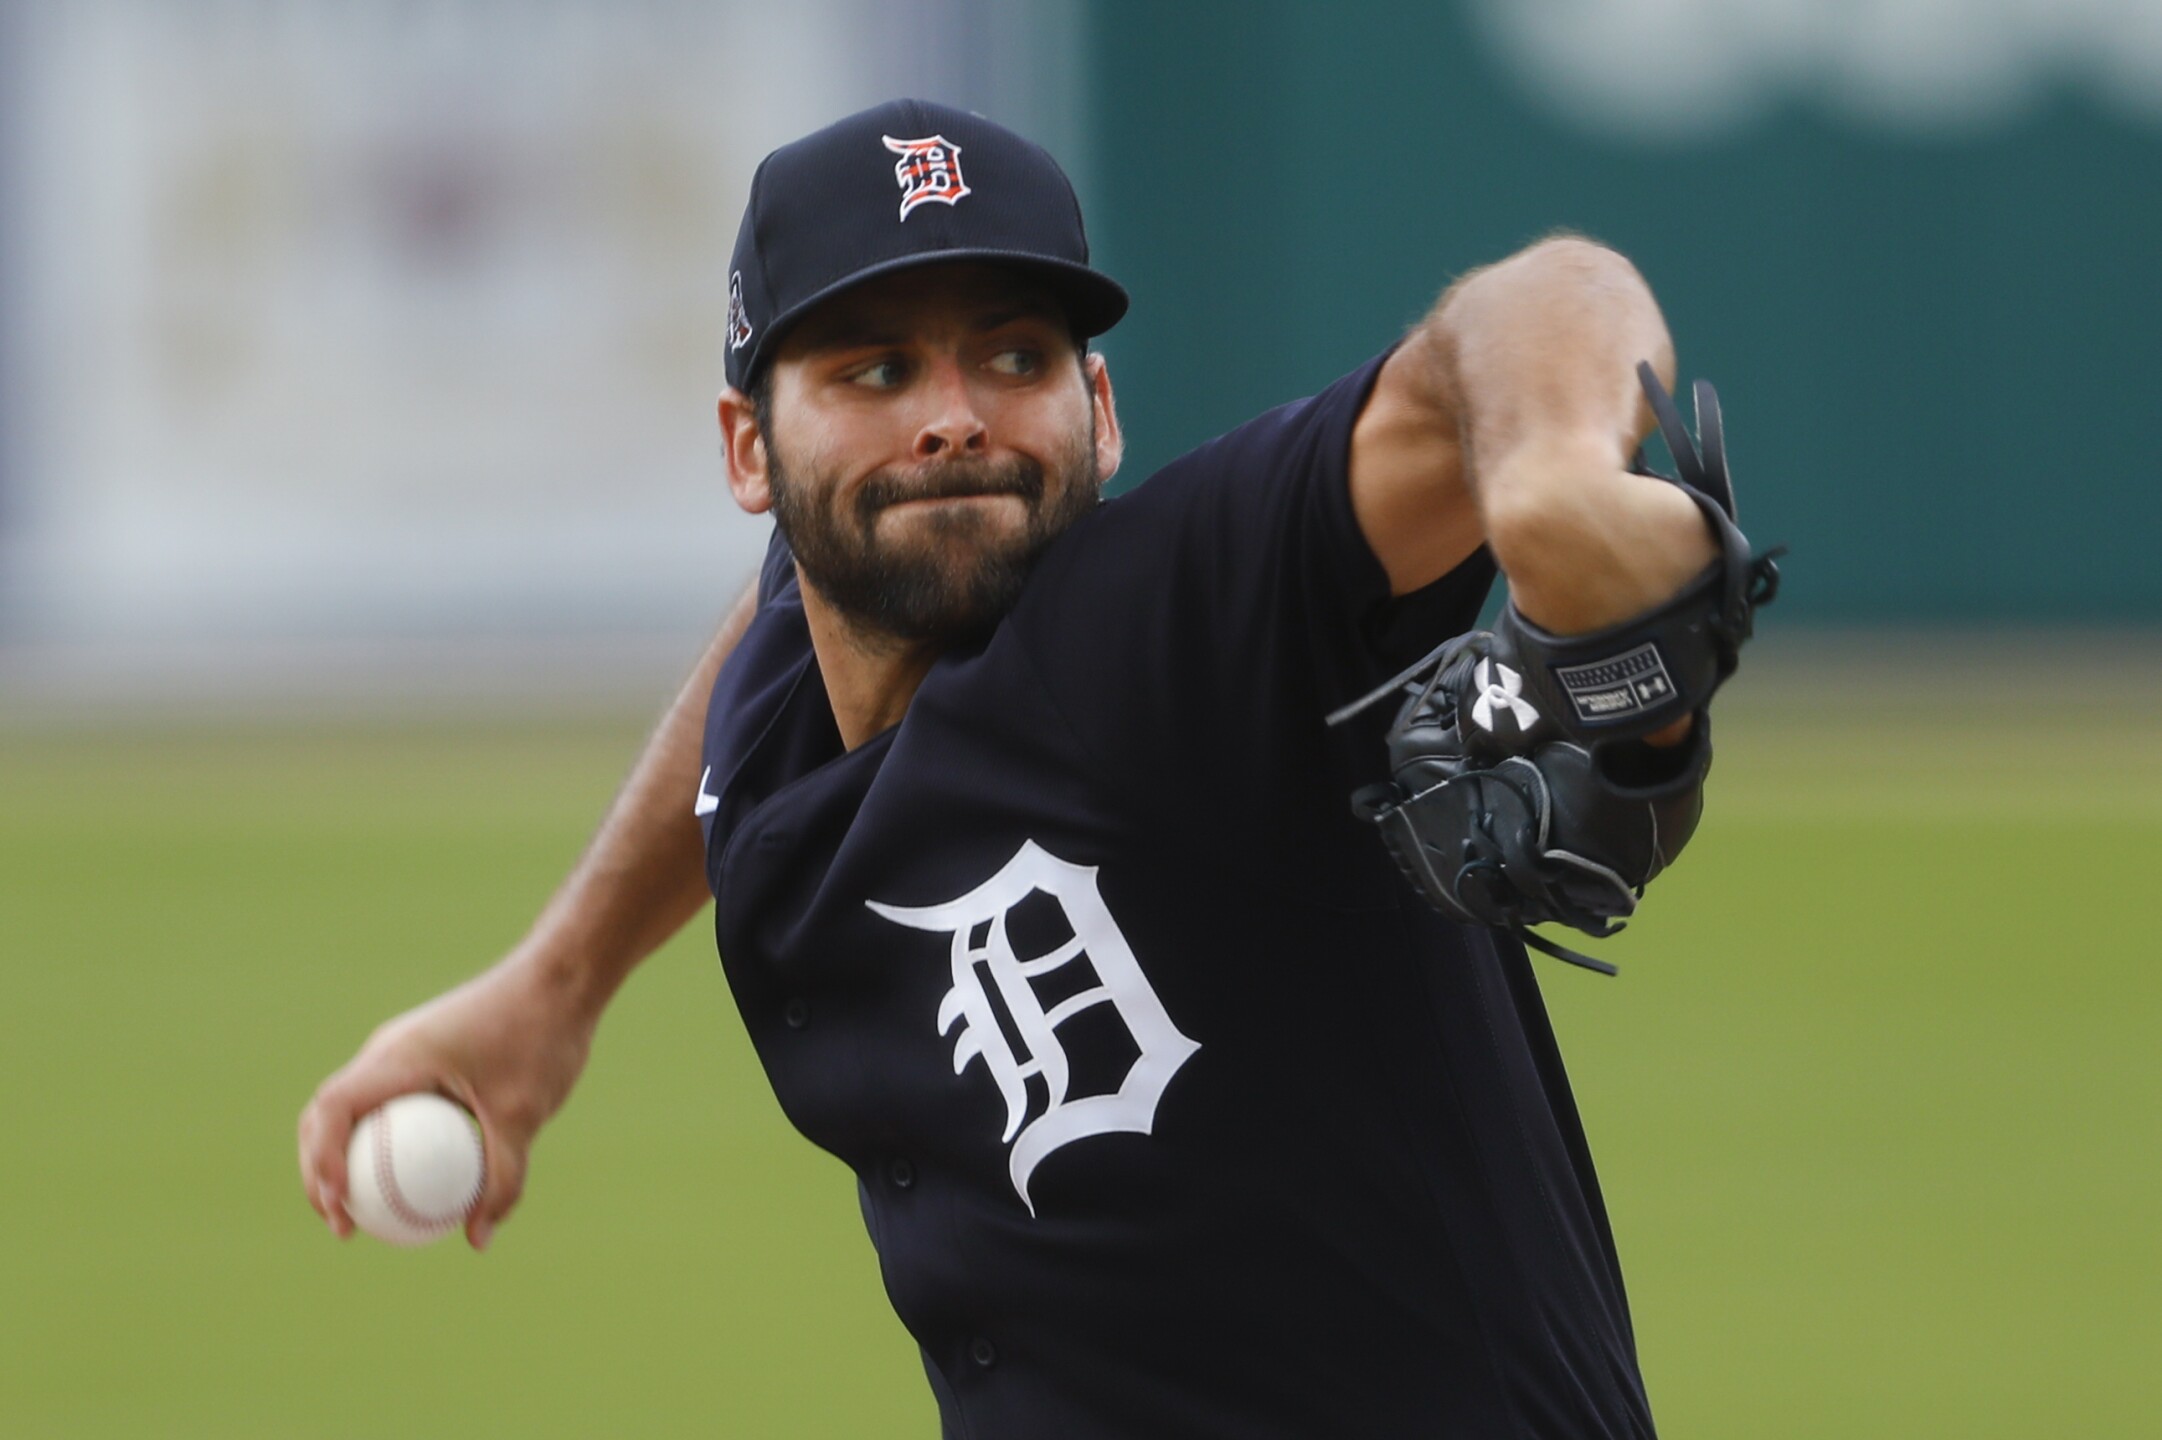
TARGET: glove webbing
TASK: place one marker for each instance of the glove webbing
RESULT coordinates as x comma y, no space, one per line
1701,466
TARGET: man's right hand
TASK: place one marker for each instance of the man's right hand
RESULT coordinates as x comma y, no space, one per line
508,1045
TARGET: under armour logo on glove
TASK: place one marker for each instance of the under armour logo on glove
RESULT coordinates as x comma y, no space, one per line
1509,693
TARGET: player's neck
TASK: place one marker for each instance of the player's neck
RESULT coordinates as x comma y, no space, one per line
870,677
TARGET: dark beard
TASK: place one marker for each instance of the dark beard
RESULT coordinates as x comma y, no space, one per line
947,590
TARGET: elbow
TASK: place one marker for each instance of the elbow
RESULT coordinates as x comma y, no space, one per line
1580,263
1564,278
1544,348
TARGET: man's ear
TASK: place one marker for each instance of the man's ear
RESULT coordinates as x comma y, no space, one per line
743,446
1110,444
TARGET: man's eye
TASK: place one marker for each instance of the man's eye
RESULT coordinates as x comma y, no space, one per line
881,374
1016,362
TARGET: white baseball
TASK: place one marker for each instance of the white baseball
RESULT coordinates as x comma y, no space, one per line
413,1169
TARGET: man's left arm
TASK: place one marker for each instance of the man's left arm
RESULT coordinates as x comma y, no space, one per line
1508,417
1549,769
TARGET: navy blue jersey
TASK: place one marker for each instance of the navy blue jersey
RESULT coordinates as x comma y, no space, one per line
1174,1112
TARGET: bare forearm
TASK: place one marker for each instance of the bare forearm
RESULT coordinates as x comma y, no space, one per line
643,875
1537,355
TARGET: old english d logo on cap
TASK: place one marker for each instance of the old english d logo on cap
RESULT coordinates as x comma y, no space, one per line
929,169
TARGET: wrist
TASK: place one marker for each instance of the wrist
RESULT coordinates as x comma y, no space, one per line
569,980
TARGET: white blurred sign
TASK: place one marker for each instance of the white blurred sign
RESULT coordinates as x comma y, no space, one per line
400,319
1683,69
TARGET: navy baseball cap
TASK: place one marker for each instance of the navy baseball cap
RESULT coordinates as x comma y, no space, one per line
903,184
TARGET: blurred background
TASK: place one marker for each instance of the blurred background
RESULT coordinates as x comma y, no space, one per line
360,504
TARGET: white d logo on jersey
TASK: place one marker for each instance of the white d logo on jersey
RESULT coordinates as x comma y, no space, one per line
981,946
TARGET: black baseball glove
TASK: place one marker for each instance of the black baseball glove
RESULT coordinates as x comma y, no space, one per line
1522,788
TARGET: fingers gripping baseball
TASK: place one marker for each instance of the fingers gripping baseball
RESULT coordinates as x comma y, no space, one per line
504,1045
507,1141
326,1124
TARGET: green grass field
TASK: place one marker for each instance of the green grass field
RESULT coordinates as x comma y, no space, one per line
1875,1096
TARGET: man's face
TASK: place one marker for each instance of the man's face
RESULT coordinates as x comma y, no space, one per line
928,434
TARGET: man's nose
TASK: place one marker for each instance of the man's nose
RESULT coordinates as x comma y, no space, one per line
953,425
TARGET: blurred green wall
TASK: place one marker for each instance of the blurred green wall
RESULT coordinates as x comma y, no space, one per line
1939,357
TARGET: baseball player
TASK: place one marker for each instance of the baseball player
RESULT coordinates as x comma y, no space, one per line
1174,1110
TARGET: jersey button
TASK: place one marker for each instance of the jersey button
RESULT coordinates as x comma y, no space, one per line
796,1013
902,1174
983,1352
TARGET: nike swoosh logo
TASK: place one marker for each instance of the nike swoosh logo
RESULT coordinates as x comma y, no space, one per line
707,804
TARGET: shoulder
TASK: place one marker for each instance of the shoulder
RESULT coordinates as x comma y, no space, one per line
1304,438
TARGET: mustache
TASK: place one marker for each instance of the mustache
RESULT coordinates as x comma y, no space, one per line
952,480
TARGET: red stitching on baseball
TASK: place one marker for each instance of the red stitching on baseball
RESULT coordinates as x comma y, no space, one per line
387,1178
